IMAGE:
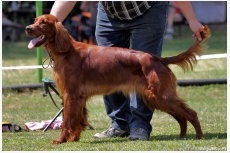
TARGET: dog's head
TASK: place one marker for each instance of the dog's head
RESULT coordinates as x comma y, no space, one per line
47,29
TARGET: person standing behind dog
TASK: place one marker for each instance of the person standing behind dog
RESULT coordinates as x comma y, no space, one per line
118,24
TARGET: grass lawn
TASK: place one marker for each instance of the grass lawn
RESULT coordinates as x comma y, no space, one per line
30,106
209,101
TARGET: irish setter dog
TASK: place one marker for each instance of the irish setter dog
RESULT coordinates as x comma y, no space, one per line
83,70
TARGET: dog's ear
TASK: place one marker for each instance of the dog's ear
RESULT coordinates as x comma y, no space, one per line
62,38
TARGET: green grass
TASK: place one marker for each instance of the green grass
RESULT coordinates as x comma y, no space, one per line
212,111
209,101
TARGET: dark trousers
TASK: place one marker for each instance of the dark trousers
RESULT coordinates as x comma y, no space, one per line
145,34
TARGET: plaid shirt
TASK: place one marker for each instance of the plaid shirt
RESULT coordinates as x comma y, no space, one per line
126,10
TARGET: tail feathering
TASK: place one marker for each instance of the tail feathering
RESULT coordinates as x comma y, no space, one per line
188,58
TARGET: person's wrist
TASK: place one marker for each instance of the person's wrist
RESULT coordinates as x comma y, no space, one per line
192,20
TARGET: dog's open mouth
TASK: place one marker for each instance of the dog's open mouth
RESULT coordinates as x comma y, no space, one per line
36,42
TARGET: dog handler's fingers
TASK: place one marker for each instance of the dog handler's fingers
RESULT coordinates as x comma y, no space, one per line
196,28
197,36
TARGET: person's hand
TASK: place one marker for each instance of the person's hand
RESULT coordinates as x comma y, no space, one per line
196,28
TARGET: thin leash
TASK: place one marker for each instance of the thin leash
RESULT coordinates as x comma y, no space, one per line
51,61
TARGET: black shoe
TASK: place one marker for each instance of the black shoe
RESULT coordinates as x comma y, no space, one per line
138,134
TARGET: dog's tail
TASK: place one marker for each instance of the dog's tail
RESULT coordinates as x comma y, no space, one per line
188,58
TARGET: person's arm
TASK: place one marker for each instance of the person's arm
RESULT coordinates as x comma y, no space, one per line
61,9
195,25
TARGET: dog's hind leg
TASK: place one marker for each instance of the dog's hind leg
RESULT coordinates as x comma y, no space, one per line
180,119
173,105
183,125
179,110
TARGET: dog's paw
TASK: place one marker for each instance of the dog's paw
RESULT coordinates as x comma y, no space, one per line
199,137
56,142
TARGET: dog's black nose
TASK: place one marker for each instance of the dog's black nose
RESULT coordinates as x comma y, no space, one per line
28,29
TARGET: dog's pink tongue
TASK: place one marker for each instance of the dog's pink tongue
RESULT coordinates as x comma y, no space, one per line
33,42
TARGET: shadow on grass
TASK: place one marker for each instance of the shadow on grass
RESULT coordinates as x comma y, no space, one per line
207,136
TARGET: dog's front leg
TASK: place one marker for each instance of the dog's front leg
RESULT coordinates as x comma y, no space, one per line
75,118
